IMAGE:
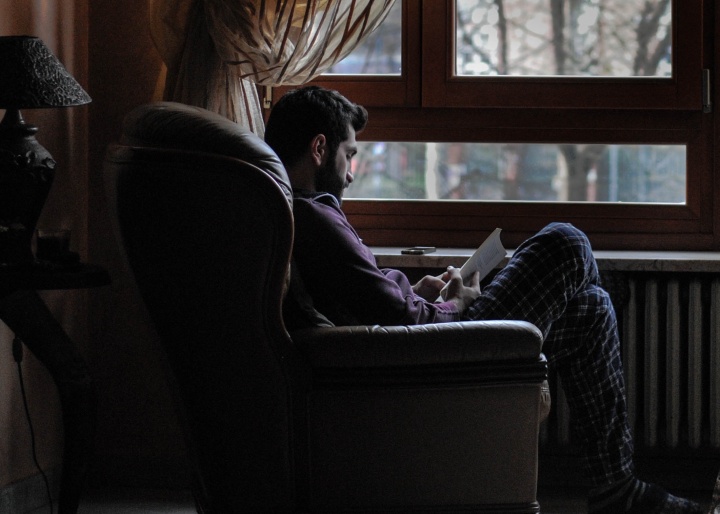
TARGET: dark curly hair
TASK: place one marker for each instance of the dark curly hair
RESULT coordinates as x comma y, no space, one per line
301,114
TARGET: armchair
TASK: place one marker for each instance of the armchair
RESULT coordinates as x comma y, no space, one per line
432,418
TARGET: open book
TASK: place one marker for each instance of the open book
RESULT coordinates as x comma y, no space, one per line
488,255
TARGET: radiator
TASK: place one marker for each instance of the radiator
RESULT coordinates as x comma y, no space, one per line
669,328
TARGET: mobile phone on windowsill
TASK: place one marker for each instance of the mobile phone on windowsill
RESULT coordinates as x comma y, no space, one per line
418,250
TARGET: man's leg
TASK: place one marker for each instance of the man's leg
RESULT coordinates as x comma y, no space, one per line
552,281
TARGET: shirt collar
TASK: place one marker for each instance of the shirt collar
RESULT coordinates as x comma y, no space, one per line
314,195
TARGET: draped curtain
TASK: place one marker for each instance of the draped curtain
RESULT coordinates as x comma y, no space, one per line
217,51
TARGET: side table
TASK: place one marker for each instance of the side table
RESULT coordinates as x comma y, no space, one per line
24,312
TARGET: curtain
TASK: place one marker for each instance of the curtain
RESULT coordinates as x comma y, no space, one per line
217,51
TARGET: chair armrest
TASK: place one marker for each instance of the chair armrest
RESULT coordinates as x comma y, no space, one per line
441,344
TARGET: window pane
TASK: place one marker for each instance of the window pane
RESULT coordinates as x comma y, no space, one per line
527,172
380,53
590,38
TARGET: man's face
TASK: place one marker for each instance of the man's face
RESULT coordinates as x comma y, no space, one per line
336,173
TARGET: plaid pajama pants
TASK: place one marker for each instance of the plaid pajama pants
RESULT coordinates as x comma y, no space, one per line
715,506
552,281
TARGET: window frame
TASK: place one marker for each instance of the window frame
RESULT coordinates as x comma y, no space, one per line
441,88
611,225
386,90
427,104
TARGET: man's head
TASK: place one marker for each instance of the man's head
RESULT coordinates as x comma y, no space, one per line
308,126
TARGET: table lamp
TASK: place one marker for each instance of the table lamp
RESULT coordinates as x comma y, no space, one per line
31,77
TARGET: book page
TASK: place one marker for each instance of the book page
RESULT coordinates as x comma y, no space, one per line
488,255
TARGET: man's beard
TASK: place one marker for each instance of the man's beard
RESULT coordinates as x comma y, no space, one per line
328,181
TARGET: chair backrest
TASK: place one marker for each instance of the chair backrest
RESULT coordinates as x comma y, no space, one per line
204,212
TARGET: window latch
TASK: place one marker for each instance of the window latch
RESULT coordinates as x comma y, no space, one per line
706,91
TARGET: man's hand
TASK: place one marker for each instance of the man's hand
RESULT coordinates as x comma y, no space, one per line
457,292
429,287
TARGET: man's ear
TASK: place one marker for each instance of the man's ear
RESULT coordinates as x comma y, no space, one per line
318,149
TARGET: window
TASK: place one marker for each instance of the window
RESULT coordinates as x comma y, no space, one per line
520,171
515,113
397,41
574,69
610,38
380,53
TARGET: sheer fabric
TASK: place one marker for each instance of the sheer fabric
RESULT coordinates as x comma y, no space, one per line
217,51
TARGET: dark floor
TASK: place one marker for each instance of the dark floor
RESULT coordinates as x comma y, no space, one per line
133,501
563,502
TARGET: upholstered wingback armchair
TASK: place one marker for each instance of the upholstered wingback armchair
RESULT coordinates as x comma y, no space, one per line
369,419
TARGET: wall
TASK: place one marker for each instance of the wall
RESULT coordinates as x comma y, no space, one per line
106,46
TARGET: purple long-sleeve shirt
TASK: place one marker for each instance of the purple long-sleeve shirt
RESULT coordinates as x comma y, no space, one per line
341,276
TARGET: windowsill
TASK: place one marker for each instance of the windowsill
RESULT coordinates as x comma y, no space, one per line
609,260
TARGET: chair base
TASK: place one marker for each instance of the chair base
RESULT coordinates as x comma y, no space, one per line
441,449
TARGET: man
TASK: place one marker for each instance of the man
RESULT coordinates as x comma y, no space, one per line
551,281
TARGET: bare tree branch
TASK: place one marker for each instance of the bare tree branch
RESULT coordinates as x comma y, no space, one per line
557,8
646,31
503,49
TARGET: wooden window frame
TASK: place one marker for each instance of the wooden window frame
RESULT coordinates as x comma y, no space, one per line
611,226
386,90
426,103
441,88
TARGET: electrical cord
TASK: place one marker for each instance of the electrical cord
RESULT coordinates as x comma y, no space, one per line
17,351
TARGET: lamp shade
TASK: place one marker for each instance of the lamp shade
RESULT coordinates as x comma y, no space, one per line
32,77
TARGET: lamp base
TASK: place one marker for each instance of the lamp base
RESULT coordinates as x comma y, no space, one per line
26,175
